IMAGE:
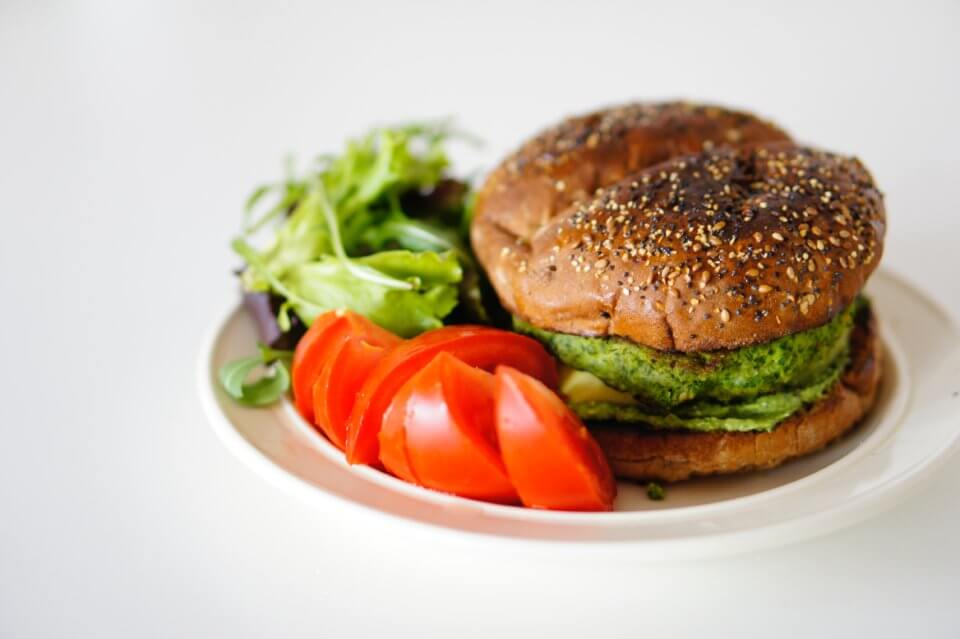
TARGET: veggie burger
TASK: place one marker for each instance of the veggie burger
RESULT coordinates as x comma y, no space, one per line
699,276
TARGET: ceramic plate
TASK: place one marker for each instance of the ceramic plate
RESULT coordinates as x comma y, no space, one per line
912,430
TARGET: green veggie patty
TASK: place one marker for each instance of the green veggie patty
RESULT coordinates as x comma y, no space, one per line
748,389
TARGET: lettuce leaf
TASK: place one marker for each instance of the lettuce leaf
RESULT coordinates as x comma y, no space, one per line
325,284
328,283
342,239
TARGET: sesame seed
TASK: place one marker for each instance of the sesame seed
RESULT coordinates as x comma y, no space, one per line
764,288
777,236
724,315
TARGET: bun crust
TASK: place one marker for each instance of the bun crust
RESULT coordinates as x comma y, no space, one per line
571,160
709,250
672,456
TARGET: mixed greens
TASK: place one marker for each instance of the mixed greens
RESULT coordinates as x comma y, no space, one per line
379,229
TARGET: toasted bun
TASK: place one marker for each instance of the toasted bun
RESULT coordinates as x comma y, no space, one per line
716,249
636,453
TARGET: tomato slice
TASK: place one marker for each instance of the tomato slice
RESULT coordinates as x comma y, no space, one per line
335,390
445,414
393,436
478,346
320,342
550,456
308,360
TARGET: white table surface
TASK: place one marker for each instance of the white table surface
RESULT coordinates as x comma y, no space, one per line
129,137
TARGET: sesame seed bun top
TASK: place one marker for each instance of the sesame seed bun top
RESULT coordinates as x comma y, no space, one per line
714,249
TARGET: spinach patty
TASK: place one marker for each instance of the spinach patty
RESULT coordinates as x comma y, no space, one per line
761,413
665,380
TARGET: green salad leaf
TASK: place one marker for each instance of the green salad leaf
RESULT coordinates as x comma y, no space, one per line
326,284
345,236
264,390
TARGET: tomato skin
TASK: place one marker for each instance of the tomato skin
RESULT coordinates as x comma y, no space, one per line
447,419
320,342
550,456
335,390
478,346
308,360
393,437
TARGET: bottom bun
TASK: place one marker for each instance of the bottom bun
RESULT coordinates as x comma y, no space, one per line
638,453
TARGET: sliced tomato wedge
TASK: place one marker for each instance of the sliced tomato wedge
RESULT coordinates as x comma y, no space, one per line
478,346
335,390
443,416
320,342
308,360
393,436
550,456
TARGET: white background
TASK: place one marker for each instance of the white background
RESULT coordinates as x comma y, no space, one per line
130,135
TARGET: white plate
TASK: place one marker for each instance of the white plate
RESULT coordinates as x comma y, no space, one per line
912,430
